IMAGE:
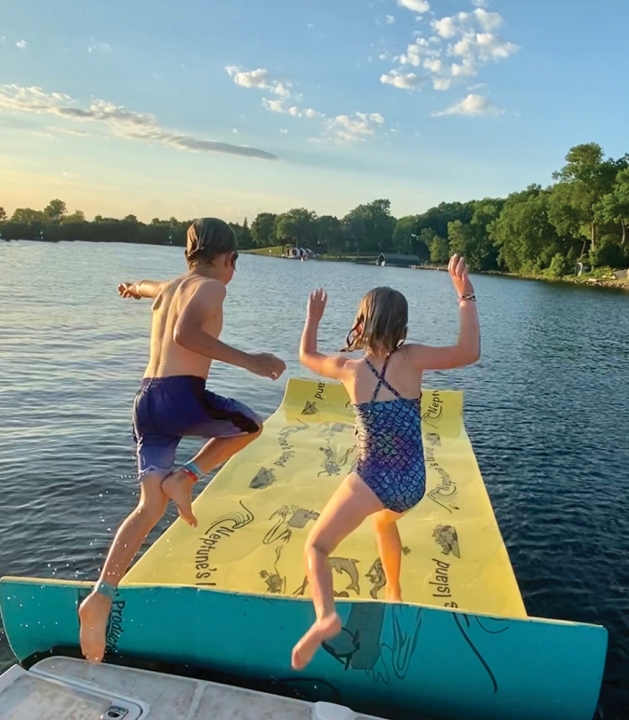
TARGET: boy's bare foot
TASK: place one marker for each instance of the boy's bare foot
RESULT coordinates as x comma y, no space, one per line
94,614
320,631
178,488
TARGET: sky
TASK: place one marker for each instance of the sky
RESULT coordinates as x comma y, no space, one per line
231,108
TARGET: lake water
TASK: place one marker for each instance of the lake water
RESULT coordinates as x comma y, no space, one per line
546,410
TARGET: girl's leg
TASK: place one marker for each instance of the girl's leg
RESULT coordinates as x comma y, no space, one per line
390,551
344,512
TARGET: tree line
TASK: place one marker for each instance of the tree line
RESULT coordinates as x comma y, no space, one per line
582,217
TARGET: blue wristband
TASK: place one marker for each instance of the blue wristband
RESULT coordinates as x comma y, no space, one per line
193,468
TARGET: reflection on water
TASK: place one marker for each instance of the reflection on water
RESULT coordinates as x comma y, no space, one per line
545,409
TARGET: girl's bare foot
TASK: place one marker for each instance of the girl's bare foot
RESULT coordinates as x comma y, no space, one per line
94,614
178,488
320,631
393,594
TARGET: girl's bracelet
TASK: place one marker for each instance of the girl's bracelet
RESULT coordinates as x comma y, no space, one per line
468,296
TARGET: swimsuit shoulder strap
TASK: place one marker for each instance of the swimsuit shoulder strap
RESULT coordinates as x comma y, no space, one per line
381,380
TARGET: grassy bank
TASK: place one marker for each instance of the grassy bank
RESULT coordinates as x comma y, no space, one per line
600,277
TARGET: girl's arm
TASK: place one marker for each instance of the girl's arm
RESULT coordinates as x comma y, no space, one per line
326,365
467,349
142,289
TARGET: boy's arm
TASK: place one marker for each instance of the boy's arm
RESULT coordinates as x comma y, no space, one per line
141,289
189,332
326,365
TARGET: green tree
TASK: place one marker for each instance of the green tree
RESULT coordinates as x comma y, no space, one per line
297,225
130,219
3,215
370,227
245,240
439,250
472,239
263,229
523,234
330,233
614,207
437,218
55,210
27,215
405,235
78,216
583,181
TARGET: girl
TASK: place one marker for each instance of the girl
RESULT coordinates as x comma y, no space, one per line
389,478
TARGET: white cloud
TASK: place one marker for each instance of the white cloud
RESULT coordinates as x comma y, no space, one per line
283,131
98,47
471,105
279,106
446,27
403,81
21,44
418,6
481,3
469,38
259,78
274,105
282,90
344,129
118,121
69,131
389,19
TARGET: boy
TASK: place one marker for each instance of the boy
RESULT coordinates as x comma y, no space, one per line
172,402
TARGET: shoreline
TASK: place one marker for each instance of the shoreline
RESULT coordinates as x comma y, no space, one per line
584,280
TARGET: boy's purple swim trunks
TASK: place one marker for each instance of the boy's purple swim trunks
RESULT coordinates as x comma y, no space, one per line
168,408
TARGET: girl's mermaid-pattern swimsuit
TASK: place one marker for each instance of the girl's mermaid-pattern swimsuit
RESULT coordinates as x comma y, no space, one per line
390,449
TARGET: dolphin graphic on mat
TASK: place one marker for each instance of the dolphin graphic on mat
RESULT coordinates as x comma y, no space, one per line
341,565
288,518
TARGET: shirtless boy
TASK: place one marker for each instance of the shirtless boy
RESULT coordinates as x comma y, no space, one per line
172,402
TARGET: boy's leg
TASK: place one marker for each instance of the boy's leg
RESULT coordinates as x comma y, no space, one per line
178,486
352,502
94,610
390,551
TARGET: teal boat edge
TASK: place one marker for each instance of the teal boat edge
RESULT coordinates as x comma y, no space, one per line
405,658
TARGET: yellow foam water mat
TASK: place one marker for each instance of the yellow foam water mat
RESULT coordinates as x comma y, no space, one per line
256,513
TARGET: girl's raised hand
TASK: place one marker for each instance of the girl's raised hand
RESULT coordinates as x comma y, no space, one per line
316,304
459,273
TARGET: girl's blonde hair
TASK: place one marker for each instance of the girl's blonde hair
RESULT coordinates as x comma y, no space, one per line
381,322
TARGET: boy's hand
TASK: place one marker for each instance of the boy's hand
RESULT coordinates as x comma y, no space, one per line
266,365
316,304
459,273
128,290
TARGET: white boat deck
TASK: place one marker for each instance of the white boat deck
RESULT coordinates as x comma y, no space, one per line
61,688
